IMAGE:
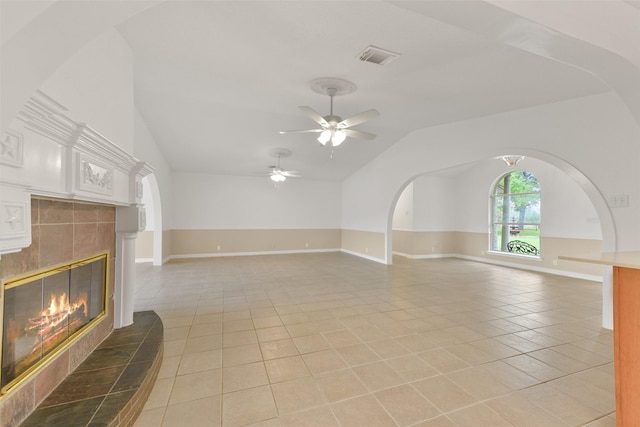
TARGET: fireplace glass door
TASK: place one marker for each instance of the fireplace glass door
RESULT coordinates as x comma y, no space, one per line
43,312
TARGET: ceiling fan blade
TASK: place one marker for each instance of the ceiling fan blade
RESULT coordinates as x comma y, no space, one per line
302,131
358,118
358,134
314,116
292,174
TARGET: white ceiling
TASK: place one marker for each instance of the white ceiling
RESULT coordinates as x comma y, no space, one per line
216,80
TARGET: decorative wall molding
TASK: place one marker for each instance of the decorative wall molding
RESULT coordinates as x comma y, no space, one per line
139,190
46,117
15,219
47,153
12,149
94,176
142,219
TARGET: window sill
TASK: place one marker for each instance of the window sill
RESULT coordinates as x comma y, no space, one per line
517,256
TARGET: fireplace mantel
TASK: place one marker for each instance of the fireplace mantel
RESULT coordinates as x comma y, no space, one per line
46,153
85,195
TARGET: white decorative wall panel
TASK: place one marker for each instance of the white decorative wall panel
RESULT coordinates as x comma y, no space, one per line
142,219
12,149
15,219
52,155
94,176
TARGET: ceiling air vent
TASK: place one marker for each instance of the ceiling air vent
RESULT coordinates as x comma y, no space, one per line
377,55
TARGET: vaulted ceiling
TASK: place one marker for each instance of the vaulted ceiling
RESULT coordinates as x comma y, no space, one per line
216,80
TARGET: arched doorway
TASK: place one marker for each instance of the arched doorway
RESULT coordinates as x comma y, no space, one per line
149,241
451,217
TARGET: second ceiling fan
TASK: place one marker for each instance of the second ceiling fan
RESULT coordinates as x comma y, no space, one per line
334,129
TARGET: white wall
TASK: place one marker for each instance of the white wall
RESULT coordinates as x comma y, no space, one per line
17,14
459,201
403,215
566,211
203,201
96,85
588,134
147,202
436,204
48,37
146,149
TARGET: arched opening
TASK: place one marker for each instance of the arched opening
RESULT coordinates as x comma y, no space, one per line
463,229
149,241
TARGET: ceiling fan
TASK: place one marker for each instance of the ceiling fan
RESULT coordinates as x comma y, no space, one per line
333,128
278,174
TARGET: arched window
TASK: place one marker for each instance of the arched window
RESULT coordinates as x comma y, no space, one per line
515,214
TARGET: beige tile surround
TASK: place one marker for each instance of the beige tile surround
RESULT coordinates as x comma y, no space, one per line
330,339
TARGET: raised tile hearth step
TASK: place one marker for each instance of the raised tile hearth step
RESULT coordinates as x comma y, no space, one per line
112,385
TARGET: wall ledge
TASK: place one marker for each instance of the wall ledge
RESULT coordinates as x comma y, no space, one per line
590,277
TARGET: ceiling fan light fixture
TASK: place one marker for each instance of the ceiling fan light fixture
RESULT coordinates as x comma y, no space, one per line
277,177
338,137
332,127
512,160
324,137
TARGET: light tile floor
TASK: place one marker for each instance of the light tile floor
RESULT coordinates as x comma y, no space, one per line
334,340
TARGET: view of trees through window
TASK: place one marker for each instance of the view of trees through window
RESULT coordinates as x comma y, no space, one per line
515,213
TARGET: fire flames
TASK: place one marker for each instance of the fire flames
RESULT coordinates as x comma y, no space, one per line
54,317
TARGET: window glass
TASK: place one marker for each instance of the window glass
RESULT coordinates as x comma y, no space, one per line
515,214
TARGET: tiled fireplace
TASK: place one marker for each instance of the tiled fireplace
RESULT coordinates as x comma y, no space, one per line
43,312
62,231
67,193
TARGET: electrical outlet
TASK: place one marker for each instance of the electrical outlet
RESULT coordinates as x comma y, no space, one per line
219,247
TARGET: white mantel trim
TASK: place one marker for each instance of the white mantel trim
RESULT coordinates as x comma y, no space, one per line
56,156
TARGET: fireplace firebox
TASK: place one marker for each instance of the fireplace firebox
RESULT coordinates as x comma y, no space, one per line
44,312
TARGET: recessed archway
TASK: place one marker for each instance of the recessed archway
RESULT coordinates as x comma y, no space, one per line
591,194
153,210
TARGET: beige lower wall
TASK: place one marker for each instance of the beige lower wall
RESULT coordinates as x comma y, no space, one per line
422,243
366,243
475,245
369,244
166,244
212,242
144,245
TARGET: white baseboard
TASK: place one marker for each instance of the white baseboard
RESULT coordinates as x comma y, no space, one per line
257,253
431,256
565,273
369,257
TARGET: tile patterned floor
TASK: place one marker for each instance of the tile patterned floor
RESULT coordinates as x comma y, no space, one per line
334,340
